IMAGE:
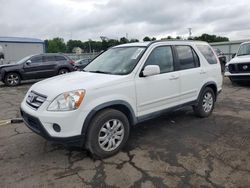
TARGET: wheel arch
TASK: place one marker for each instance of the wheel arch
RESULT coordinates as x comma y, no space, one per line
5,73
212,85
120,105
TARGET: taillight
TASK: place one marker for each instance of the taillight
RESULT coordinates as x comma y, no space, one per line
72,62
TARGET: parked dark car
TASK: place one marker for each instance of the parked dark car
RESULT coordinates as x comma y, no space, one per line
35,67
222,58
82,63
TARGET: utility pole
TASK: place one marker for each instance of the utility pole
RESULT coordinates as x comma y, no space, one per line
90,46
190,32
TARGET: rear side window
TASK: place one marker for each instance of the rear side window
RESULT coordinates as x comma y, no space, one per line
49,58
188,59
60,58
161,56
207,53
37,59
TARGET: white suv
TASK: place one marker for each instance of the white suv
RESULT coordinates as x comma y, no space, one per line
123,86
238,69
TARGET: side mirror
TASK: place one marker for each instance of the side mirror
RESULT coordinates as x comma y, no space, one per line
151,70
233,55
28,62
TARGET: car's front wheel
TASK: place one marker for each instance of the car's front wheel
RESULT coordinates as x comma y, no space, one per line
108,133
12,79
205,104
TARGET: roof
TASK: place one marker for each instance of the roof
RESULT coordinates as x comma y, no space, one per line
20,40
170,42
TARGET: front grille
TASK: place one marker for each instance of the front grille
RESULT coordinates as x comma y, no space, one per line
35,100
239,68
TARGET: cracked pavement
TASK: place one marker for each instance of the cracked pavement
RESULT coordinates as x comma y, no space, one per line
174,150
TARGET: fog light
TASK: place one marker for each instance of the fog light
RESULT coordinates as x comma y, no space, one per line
56,127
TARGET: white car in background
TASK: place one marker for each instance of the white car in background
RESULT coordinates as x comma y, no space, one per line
238,69
125,85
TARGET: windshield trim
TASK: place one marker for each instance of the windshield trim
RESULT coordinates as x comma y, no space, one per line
145,47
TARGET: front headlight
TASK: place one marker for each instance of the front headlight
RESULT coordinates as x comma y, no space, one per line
67,101
226,68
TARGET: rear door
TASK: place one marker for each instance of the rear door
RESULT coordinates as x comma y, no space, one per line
50,66
191,73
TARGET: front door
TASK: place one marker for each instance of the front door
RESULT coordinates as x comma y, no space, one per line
158,92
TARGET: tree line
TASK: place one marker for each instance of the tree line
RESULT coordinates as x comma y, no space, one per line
59,45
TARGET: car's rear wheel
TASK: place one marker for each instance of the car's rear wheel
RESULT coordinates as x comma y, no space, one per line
12,79
205,104
108,133
63,71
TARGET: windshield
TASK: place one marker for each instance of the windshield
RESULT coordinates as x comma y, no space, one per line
120,61
244,49
23,60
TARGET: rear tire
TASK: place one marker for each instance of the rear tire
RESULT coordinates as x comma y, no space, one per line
12,79
205,104
108,133
63,71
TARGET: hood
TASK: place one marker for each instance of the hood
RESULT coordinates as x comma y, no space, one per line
54,86
240,59
8,65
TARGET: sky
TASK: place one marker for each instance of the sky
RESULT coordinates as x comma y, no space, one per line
90,19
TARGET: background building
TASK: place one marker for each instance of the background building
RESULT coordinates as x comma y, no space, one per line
15,48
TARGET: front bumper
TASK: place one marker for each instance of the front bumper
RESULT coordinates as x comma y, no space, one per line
42,122
238,76
36,126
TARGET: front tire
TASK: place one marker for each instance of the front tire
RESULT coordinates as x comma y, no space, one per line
108,133
205,104
12,79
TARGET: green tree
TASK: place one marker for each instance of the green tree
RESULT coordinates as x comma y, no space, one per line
211,38
146,39
134,40
56,45
72,44
124,40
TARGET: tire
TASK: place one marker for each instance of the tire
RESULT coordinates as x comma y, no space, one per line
63,71
100,139
205,104
12,79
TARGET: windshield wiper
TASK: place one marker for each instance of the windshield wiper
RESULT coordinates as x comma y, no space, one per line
242,54
102,72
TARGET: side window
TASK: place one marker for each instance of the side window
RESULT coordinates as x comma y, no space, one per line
49,58
37,59
207,53
60,58
187,57
163,57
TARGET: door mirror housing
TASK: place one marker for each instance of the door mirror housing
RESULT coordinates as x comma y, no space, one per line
151,70
28,62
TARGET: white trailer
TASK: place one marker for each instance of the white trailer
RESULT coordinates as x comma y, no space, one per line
12,49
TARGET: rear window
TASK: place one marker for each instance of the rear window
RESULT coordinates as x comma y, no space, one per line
49,58
60,58
207,53
187,57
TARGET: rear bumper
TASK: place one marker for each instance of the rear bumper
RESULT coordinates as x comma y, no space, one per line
36,126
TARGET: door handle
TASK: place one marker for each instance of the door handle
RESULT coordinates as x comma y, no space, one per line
202,72
174,77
